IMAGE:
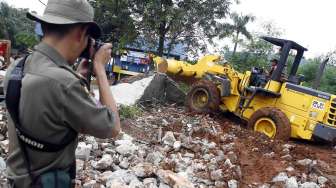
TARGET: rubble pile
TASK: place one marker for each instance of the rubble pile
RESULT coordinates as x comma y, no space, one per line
168,147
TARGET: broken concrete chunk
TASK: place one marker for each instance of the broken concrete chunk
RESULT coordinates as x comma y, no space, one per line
143,170
309,185
217,175
305,162
169,138
174,180
105,162
154,158
233,184
281,177
291,183
83,151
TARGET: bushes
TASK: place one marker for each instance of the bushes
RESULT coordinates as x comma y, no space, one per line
129,112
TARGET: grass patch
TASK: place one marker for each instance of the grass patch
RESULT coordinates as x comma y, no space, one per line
184,87
129,112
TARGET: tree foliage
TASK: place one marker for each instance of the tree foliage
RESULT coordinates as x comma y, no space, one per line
16,27
237,28
255,52
114,17
191,22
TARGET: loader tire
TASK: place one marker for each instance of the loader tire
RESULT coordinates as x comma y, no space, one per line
203,97
268,118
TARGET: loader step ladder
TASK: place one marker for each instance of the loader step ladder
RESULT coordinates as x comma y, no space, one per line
256,91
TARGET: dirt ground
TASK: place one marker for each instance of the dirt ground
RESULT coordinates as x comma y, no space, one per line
260,158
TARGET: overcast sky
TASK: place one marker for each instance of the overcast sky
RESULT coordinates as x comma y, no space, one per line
308,22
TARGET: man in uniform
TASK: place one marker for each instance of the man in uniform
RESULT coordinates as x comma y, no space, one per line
54,99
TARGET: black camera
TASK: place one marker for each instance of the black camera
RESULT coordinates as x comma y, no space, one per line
97,45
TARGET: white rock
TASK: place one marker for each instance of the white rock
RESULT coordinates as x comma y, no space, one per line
233,184
135,183
79,165
105,162
116,183
322,180
2,165
177,145
288,146
154,158
281,177
287,157
126,137
228,163
165,122
189,155
289,169
4,145
269,155
123,176
305,162
233,157
124,163
169,138
212,145
90,184
123,142
126,149
163,185
83,151
143,170
150,183
309,185
173,179
265,186
291,183
216,175
91,140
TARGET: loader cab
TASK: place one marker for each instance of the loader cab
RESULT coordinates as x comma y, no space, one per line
286,46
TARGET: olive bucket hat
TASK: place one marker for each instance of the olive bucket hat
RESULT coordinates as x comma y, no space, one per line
62,12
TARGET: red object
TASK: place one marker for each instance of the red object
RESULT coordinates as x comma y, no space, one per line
3,48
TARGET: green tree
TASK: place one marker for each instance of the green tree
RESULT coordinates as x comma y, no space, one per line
114,17
16,27
238,28
191,22
255,52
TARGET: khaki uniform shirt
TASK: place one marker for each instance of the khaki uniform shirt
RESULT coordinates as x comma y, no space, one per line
53,101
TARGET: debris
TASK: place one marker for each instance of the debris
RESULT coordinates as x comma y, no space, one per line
281,177
322,180
83,151
233,184
305,162
217,175
292,183
4,145
2,165
309,185
105,162
143,170
173,179
169,138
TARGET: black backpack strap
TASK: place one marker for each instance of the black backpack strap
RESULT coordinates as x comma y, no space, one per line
13,95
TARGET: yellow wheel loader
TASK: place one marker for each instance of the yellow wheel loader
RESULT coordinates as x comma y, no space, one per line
275,105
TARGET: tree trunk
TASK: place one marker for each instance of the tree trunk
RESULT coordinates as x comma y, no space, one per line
162,37
236,44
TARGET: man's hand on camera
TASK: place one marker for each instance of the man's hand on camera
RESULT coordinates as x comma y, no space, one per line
101,58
